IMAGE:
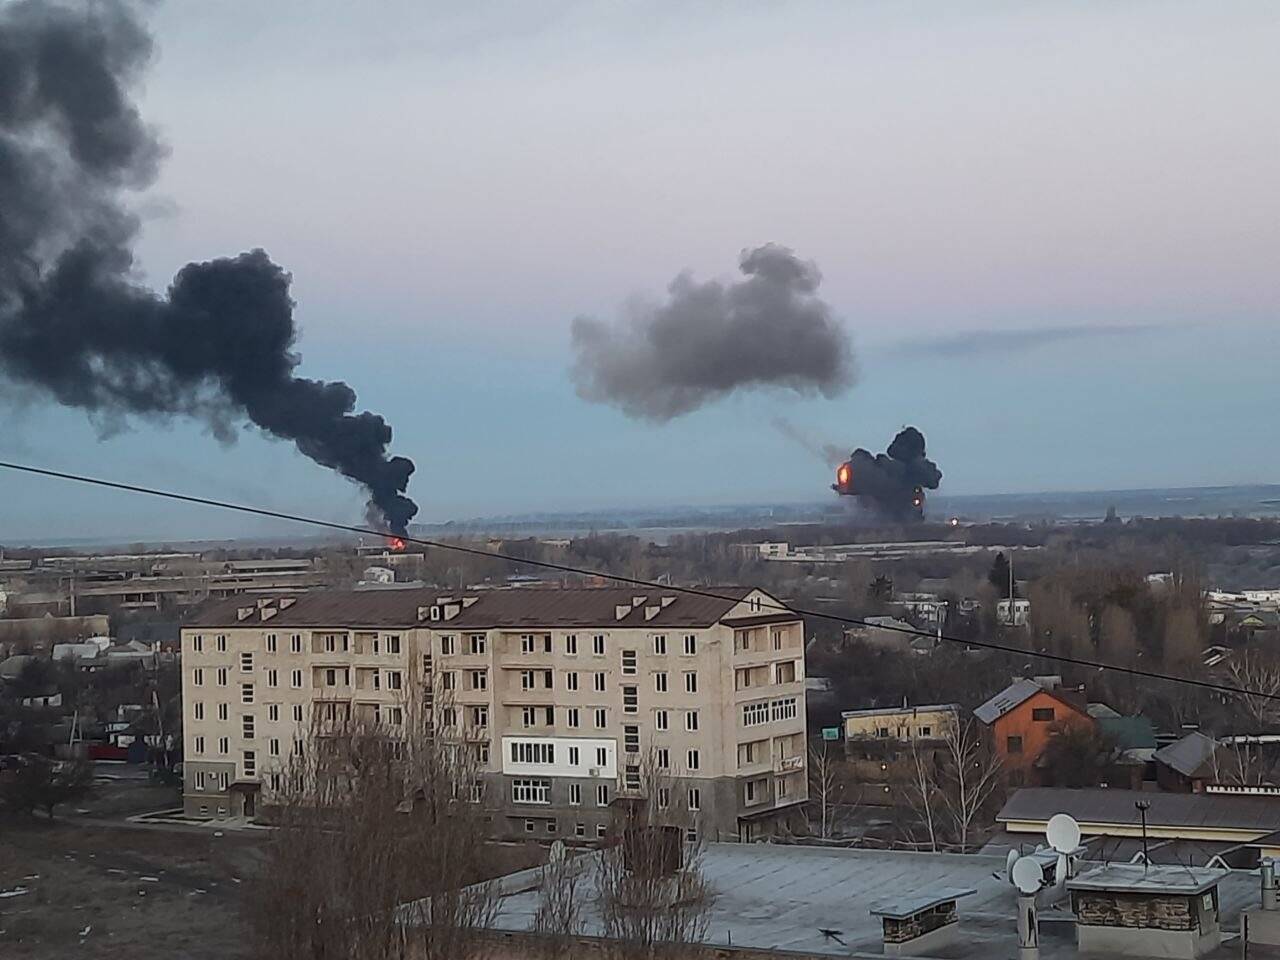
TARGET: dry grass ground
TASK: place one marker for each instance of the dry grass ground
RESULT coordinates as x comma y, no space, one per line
115,891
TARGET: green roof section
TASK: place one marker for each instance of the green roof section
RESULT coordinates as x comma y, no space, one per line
1129,733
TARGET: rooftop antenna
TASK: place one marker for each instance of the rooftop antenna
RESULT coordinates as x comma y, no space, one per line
1028,877
1063,834
1143,806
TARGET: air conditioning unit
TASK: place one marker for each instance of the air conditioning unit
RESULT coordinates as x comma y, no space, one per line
593,771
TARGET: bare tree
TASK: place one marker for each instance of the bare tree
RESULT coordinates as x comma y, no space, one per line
379,850
922,792
825,790
1258,671
970,776
650,890
559,920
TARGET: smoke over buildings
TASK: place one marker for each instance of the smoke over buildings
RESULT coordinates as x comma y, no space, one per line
74,322
710,338
891,483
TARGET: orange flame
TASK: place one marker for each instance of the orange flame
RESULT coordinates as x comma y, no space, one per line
395,543
842,475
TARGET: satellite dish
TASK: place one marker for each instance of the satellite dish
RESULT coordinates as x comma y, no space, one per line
1028,876
1063,833
1009,861
557,852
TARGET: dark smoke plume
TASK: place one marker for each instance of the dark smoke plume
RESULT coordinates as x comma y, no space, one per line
828,453
893,483
74,322
709,339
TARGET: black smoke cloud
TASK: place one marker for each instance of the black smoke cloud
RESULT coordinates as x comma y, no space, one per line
75,324
888,481
709,339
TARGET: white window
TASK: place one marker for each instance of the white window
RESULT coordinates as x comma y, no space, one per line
395,717
690,644
660,683
784,787
393,643
777,639
271,642
222,643
526,679
597,644
447,645
222,711
479,679
597,682
660,645
480,716
482,754
199,745
224,745
273,678
571,680
602,795
527,717
477,642
691,721
222,676
448,680
273,712
579,829
273,746
197,677
522,752
393,680
246,662
664,798
784,709
246,693
224,781
575,794
573,719
199,779
661,720
631,739
691,682
754,714
630,700
197,644
247,725
629,663
664,758
250,761
573,757
695,799
449,717
692,760
571,644
526,643
602,756
602,718
601,831
530,791
295,643
297,713
275,783
198,710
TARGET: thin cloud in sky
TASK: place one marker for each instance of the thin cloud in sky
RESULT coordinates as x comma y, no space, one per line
971,342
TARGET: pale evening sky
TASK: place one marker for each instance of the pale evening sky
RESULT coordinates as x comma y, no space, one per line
1053,231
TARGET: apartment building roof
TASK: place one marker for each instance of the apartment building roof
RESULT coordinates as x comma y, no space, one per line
1102,809
588,607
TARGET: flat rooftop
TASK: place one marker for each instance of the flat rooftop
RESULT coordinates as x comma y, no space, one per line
1156,878
783,898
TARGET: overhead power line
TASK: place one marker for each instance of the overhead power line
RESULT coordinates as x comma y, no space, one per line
629,581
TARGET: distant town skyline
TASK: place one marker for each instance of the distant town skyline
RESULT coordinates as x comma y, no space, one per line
1051,236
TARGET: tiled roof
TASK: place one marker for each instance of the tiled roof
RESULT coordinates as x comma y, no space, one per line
582,607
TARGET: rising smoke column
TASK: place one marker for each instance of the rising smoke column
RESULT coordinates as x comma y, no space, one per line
890,482
709,339
74,322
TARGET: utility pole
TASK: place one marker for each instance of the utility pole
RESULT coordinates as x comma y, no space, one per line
1143,806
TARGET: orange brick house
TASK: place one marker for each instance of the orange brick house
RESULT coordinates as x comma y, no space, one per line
1021,718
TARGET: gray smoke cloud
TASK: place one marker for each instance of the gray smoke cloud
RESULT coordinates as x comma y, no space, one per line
711,338
828,453
77,327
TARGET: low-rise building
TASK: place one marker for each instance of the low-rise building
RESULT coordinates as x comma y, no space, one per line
565,697
1022,718
1013,613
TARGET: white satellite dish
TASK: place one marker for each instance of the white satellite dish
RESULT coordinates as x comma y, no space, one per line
1009,861
557,852
1063,833
1028,876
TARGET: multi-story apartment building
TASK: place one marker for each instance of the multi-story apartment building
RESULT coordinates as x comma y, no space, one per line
573,699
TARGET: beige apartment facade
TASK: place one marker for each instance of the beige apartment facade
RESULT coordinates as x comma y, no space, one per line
574,701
